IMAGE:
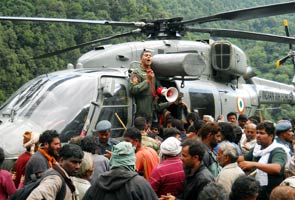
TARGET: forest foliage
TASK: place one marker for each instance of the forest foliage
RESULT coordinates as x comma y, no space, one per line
20,41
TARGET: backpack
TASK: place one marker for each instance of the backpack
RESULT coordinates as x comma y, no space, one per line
23,193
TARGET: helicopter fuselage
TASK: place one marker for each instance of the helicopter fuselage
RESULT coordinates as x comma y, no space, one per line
213,77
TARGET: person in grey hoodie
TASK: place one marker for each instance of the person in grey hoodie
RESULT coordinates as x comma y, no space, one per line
121,182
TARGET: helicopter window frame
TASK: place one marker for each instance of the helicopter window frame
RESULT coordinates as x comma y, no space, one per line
121,106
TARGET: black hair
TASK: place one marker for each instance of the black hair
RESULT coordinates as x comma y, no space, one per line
145,50
213,191
238,133
254,119
178,124
227,131
133,133
244,187
89,144
211,127
71,150
170,132
268,126
48,136
198,125
2,156
195,147
193,116
230,114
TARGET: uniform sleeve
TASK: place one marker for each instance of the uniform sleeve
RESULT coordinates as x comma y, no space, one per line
279,157
48,188
136,88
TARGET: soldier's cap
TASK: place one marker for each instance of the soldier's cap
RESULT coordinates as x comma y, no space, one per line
283,125
102,126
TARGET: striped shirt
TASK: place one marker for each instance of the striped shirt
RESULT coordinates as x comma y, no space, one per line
168,177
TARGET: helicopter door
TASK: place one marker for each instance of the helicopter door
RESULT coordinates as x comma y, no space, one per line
113,104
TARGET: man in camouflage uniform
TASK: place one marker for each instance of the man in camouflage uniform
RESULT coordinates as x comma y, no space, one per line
142,85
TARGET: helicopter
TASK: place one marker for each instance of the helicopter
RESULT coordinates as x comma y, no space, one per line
213,76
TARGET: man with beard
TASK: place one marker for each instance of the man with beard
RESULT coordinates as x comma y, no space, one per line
45,157
56,183
197,176
142,86
211,136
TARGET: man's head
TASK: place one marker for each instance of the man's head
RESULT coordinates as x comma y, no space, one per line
155,128
227,153
31,141
242,120
244,188
170,147
89,144
282,192
86,169
250,131
231,117
171,132
213,191
103,131
146,58
123,156
227,131
210,134
50,142
208,118
192,154
71,156
192,117
133,136
284,130
265,134
140,123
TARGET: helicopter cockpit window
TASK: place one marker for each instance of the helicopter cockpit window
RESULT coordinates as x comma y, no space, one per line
54,102
115,107
119,96
202,101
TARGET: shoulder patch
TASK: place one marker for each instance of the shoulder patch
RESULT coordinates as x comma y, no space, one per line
134,79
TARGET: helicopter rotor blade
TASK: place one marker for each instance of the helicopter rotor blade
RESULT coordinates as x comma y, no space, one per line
291,53
287,31
243,35
100,22
248,13
282,61
136,31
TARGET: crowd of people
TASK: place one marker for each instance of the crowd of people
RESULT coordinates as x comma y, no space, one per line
162,156
202,161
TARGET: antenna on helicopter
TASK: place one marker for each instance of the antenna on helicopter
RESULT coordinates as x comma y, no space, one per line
291,53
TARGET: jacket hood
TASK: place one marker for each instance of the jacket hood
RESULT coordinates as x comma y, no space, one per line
115,179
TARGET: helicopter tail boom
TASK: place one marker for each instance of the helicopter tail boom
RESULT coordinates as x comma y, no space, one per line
271,92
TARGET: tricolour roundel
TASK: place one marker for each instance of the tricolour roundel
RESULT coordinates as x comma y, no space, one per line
240,103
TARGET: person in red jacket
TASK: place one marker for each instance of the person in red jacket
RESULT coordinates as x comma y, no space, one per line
7,186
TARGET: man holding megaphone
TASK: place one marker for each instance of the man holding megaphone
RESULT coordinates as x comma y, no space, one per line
143,84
